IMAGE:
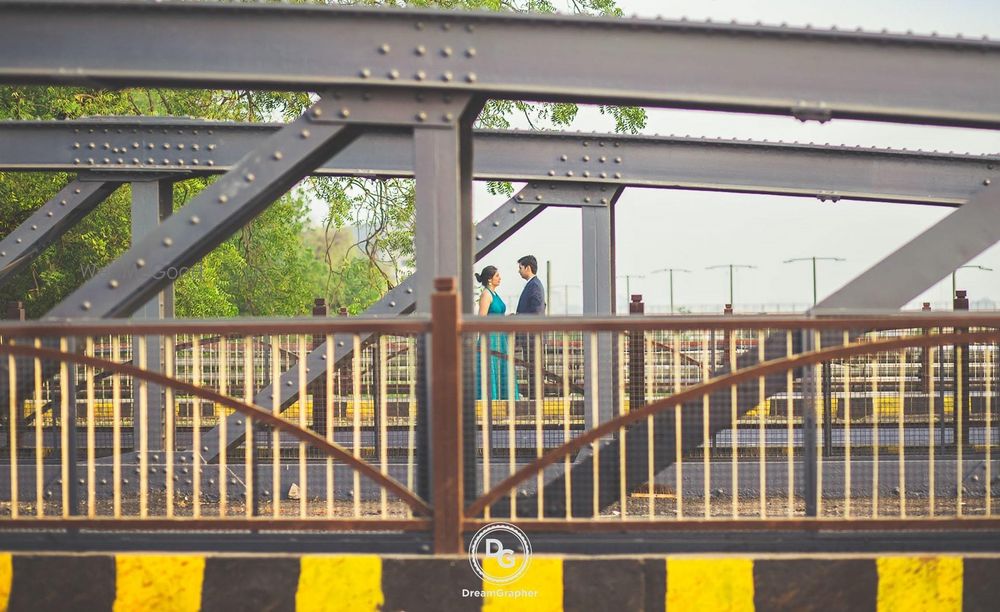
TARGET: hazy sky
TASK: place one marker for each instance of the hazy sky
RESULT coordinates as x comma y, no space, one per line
660,228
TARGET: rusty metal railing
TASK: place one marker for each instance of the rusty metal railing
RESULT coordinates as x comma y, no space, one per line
562,423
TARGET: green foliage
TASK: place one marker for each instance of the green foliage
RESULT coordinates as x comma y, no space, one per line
267,268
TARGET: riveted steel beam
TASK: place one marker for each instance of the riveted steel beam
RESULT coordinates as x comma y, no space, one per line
490,233
827,172
46,224
812,75
919,264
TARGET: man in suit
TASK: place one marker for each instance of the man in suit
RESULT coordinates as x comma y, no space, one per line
532,302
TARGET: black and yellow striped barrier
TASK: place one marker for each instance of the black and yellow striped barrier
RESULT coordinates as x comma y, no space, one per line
149,582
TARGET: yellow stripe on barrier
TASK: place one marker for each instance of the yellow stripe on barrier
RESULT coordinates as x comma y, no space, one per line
351,583
158,582
6,580
710,584
919,583
539,589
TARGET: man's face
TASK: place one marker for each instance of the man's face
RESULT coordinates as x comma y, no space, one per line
524,271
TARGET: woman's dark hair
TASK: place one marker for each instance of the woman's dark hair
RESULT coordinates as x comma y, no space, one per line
483,278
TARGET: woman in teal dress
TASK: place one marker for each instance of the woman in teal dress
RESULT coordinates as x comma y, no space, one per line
491,304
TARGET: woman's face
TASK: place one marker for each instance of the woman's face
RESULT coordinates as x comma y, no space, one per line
495,281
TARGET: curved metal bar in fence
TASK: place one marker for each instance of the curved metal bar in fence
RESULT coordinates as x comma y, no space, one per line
709,386
419,506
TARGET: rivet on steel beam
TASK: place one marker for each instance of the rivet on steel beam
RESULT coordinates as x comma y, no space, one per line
121,161
618,144
569,173
604,200
410,289
365,73
195,147
113,283
447,76
587,200
471,77
420,75
76,160
135,160
140,263
448,116
563,158
34,227
986,181
166,145
250,177
421,116
223,199
513,210
76,145
180,146
344,112
166,162
600,143
552,172
168,241
538,197
135,145
341,343
586,158
91,146
586,143
479,236
49,213
76,191
618,174
394,74
195,220
604,175
150,160
90,161
211,147
107,160
106,146
62,202
418,25
150,146
603,159
195,162
18,241
304,134
520,198
277,156
445,26
420,50
289,383
85,306
586,173
618,160
210,163
392,304
470,52
496,224
384,49
316,112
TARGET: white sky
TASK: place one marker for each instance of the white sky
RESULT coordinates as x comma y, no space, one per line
660,228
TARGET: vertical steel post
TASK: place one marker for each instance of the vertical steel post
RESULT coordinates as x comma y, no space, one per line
598,299
962,394
446,427
152,202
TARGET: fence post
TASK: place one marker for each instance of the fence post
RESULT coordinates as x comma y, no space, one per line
15,311
636,358
962,394
446,417
810,457
925,359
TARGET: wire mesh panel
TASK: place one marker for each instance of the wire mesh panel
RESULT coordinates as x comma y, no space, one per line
236,425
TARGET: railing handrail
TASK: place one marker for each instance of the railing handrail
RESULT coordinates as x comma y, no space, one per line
247,326
614,323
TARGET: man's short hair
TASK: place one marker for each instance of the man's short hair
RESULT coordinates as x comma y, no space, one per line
529,261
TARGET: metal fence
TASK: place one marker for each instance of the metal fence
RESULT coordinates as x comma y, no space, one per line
623,423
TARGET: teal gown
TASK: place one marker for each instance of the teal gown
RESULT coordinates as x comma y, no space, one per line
497,378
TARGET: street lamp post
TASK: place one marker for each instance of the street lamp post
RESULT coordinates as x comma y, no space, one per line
814,260
954,285
731,267
671,271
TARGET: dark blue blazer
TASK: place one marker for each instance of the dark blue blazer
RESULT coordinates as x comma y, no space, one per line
532,298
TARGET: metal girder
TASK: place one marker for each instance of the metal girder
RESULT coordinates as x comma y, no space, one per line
490,233
251,185
134,145
919,264
49,222
813,75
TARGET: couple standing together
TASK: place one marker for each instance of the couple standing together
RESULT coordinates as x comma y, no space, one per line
532,301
